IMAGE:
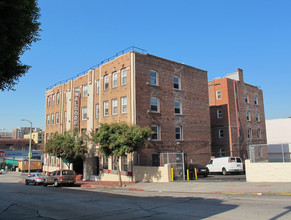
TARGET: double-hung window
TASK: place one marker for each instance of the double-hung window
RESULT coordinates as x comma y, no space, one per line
154,104
176,81
106,82
97,110
105,108
54,98
123,77
48,101
218,95
220,133
257,117
247,98
248,116
256,100
259,133
85,90
114,79
97,86
48,120
178,108
57,118
178,133
114,106
84,113
124,104
58,98
53,118
249,133
155,133
219,113
154,77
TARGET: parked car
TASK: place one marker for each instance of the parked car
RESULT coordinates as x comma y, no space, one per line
200,170
60,177
226,165
34,178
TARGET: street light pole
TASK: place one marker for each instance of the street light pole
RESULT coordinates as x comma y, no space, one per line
29,151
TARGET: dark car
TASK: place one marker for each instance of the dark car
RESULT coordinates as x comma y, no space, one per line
60,177
200,169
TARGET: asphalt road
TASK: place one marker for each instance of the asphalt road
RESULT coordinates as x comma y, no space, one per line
19,201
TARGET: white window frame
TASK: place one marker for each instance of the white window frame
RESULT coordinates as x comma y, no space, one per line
180,132
220,133
54,97
58,98
219,113
178,108
218,95
114,106
97,86
179,82
53,118
123,104
57,118
84,113
154,78
123,77
247,98
259,135
157,132
157,105
65,116
248,115
105,108
48,120
257,116
85,90
97,110
106,82
256,100
48,101
124,163
114,79
249,133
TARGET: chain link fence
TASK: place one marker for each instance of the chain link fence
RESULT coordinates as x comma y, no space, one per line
260,153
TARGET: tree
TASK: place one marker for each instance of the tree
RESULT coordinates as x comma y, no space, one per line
119,139
70,146
18,29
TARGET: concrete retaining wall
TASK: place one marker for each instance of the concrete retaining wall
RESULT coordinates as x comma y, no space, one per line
268,172
152,174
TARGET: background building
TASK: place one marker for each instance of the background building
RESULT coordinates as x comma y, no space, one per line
169,97
237,115
21,131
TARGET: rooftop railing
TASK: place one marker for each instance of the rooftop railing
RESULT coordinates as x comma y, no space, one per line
129,49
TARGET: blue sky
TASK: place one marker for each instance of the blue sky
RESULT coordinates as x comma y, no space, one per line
217,36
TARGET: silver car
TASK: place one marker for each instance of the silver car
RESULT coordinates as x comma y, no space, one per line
60,177
34,178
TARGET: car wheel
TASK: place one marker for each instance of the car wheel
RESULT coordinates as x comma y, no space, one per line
223,171
34,183
56,183
205,175
26,183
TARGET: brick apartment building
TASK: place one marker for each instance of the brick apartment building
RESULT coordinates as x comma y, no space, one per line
169,97
236,114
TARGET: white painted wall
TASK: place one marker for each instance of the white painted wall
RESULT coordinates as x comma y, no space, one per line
278,130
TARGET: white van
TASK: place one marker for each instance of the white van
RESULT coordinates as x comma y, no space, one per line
225,165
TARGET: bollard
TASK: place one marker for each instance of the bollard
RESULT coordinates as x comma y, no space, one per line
172,174
187,174
195,174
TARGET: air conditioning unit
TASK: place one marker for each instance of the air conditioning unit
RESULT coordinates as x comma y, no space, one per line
147,83
148,111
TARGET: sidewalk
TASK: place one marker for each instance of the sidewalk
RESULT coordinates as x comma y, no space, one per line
232,188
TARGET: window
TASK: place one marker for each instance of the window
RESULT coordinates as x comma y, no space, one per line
178,108
123,77
178,131
124,164
97,86
154,104
153,77
259,133
48,101
219,113
84,131
105,163
176,81
124,104
48,120
256,100
220,133
65,116
247,98
105,108
218,95
114,106
85,90
57,118
58,98
156,133
53,118
106,82
54,98
257,117
97,110
84,113
249,134
114,162
114,79
248,116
